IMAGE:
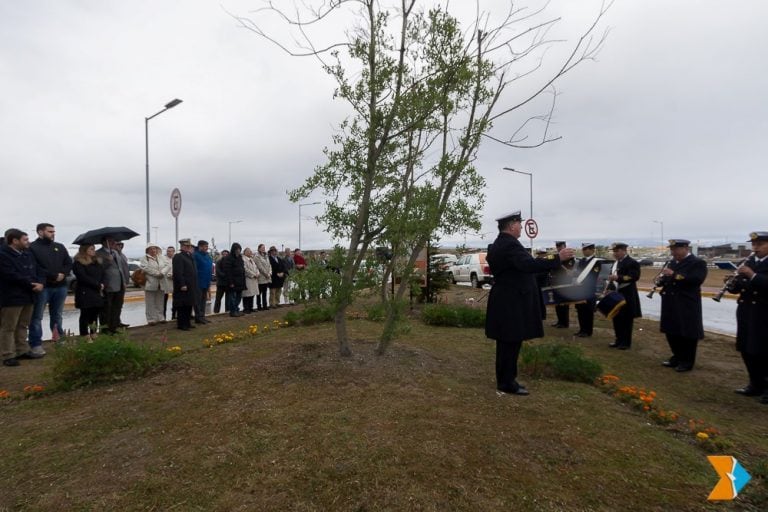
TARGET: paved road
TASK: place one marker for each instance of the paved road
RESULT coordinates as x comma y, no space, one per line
719,317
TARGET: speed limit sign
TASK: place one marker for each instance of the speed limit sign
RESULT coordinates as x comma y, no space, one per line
531,228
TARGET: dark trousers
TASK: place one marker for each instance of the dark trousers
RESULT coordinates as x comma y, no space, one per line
165,307
586,314
88,317
622,326
110,314
562,310
261,298
200,302
683,349
757,368
507,353
248,304
233,301
183,317
220,290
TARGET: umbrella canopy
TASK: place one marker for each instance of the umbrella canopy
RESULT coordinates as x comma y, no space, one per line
95,236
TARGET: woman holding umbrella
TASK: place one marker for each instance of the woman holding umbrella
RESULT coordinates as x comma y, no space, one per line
89,289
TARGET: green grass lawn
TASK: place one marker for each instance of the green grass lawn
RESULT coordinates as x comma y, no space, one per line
280,422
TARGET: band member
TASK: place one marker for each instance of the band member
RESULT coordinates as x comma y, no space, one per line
751,283
562,275
681,319
624,276
513,313
586,310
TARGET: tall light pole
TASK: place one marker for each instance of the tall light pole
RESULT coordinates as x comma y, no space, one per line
661,222
530,177
230,230
168,105
300,205
155,228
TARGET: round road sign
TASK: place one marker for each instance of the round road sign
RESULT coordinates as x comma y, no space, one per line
175,202
531,228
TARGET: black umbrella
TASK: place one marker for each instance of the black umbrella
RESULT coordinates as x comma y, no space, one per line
95,236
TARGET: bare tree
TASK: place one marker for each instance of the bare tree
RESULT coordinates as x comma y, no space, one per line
424,96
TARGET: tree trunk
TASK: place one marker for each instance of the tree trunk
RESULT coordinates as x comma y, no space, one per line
341,331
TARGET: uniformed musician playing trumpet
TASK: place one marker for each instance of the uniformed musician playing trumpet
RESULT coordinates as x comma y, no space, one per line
680,281
751,283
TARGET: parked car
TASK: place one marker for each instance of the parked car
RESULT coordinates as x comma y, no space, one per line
471,268
442,261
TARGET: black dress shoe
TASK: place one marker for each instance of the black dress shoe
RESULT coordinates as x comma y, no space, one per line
748,390
613,345
670,363
521,391
11,361
764,399
125,325
184,328
684,368
199,322
622,347
582,335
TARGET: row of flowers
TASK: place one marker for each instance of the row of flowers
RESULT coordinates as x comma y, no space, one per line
30,391
707,437
248,332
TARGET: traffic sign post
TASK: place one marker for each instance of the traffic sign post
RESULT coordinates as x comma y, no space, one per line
531,230
176,210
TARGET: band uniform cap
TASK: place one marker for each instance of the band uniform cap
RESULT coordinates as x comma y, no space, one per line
679,242
202,242
558,243
185,241
152,244
588,245
758,236
514,217
618,245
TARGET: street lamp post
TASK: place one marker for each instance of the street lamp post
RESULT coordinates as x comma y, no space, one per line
230,230
530,178
661,223
168,105
155,228
300,205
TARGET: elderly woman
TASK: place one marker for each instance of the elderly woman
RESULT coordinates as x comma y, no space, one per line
156,268
251,281
89,288
265,276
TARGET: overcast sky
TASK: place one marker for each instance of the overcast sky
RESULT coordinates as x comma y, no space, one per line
669,124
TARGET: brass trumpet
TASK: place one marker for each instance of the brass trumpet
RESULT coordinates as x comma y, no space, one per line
658,281
728,286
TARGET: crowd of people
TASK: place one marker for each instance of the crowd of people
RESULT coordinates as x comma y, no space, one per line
33,276
516,310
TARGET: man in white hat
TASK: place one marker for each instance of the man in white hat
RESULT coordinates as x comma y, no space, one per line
514,303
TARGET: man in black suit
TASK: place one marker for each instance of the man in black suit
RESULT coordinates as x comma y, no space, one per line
184,284
562,275
751,315
586,310
624,276
681,319
514,308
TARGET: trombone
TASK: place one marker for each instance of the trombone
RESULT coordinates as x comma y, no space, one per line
658,281
731,280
